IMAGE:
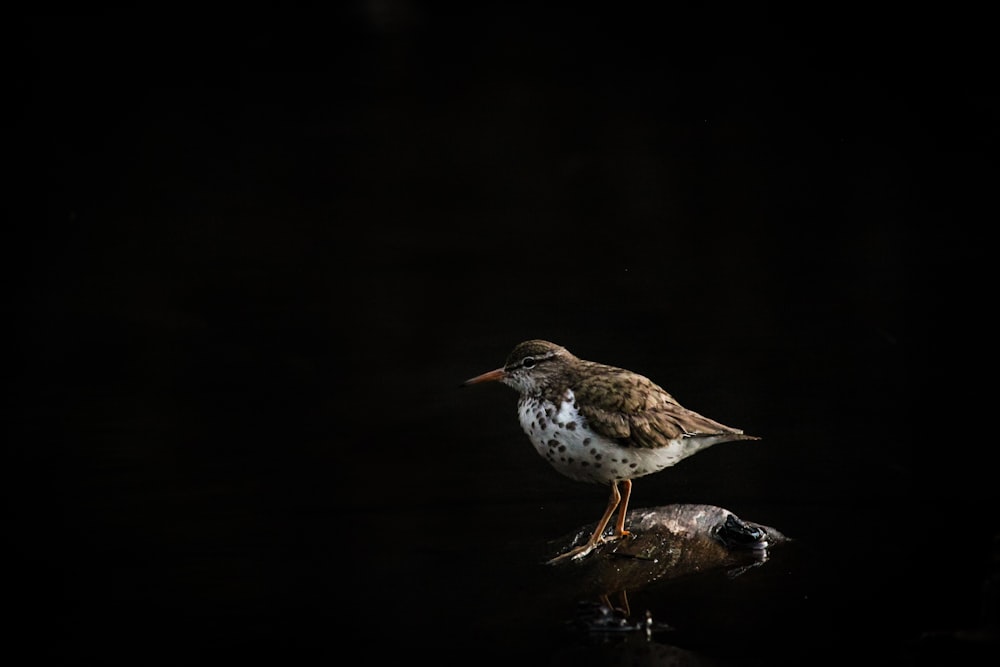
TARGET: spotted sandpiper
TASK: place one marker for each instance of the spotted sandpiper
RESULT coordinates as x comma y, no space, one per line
601,424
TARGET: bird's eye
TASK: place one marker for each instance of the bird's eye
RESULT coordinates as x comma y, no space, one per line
528,362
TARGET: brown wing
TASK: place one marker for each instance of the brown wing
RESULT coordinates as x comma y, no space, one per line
637,412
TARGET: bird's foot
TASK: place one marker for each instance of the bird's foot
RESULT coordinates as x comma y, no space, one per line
584,549
576,553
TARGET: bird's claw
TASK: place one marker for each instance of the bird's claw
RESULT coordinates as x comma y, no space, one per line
579,552
573,554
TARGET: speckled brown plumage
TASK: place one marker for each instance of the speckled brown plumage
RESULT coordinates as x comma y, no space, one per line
633,410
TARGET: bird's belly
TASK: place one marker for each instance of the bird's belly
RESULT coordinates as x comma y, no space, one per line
561,436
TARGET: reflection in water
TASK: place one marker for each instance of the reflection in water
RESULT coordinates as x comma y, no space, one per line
609,637
603,619
666,543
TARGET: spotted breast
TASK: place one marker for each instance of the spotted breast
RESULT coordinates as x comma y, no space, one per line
564,439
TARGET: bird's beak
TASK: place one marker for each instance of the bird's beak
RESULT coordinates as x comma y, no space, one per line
492,376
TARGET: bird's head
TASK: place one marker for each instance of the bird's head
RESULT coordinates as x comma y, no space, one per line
530,366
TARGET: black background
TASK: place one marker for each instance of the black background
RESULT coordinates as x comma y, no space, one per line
252,256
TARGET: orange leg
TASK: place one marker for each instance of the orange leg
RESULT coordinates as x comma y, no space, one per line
623,510
597,536
623,607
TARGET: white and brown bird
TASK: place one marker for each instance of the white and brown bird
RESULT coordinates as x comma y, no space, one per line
601,424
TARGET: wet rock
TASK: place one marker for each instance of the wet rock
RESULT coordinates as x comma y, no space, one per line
668,542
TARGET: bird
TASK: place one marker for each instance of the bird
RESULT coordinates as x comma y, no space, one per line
601,424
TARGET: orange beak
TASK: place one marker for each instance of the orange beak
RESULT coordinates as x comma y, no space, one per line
492,376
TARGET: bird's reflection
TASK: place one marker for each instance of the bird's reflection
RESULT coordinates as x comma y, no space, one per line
666,543
610,635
